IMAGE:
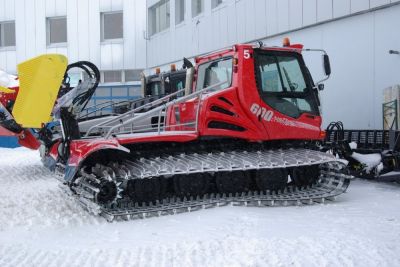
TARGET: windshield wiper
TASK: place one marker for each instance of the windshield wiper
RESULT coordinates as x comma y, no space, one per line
292,88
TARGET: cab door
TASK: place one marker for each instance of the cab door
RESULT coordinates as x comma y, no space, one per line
289,105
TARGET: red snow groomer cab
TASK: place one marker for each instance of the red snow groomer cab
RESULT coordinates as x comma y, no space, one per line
245,130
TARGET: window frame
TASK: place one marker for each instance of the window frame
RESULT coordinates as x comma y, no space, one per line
124,75
2,36
102,76
202,9
48,31
150,17
210,62
102,28
184,11
218,4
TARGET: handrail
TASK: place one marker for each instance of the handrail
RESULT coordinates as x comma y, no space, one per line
94,106
165,106
99,107
110,104
132,112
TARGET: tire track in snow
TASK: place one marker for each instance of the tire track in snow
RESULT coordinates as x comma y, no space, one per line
31,195
230,252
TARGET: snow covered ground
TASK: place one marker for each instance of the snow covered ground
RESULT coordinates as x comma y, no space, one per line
40,226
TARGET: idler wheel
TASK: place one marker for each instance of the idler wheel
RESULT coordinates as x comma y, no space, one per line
108,192
233,182
271,179
196,184
146,190
303,176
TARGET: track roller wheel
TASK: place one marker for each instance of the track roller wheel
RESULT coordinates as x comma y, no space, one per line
196,184
97,185
146,190
233,182
304,176
108,192
271,179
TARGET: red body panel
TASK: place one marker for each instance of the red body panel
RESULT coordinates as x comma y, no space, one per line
81,149
27,139
54,150
164,137
5,99
240,118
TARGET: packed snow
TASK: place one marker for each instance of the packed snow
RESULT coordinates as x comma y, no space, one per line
41,226
353,145
370,161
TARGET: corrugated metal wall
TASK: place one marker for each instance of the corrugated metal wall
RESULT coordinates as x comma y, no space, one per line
236,21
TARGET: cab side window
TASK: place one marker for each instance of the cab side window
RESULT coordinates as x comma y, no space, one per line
214,72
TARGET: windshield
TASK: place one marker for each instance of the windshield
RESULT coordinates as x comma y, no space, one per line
155,89
282,84
178,85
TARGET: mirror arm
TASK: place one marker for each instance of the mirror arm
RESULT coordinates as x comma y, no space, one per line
324,53
323,80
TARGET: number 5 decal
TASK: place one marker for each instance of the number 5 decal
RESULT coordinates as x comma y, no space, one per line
247,54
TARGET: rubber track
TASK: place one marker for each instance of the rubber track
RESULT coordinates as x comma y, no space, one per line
332,181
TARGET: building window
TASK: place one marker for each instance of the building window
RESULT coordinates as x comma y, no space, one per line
112,76
159,16
197,7
132,75
215,3
112,26
120,76
179,11
56,30
7,33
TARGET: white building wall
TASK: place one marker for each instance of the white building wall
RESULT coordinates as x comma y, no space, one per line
236,21
83,26
358,45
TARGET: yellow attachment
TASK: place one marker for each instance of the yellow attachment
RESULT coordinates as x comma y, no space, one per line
6,90
39,82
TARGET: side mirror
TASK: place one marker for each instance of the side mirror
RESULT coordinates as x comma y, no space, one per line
327,65
189,80
321,87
